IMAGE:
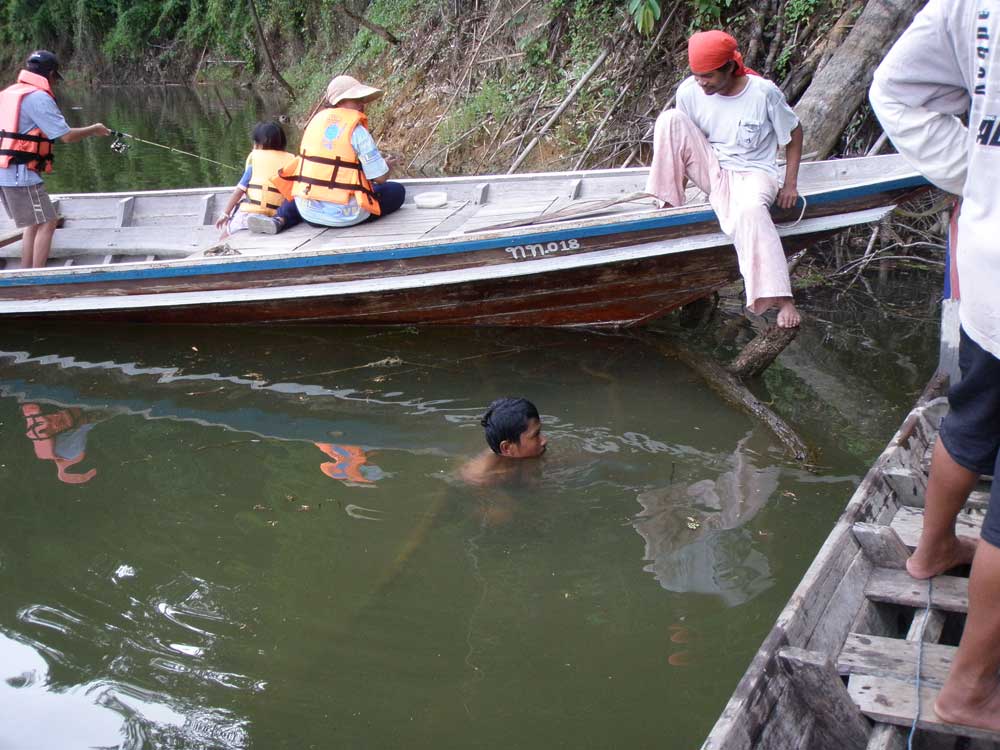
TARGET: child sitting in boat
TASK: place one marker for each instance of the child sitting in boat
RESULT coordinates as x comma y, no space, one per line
513,431
255,195
339,178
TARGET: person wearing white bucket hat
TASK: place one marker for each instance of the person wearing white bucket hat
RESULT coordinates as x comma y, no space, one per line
339,177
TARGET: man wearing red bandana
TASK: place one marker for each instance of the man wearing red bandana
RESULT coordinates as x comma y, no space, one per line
724,135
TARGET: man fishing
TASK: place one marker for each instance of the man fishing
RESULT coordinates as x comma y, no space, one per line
724,136
30,122
920,99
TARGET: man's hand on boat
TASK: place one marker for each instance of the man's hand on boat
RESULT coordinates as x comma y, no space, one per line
788,196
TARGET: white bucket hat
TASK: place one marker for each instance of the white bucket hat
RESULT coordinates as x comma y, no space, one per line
347,87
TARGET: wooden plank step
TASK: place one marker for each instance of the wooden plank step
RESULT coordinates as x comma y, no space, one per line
897,587
895,702
895,658
908,522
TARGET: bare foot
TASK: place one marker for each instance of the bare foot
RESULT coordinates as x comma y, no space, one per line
926,562
973,706
788,316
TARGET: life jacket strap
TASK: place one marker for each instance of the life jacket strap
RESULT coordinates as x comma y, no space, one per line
25,137
23,157
264,190
333,184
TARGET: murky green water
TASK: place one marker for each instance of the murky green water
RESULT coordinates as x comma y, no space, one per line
236,538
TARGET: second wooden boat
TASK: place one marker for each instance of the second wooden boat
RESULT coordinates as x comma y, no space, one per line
554,249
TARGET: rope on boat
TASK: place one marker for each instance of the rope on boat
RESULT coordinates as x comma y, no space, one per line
120,147
802,213
920,662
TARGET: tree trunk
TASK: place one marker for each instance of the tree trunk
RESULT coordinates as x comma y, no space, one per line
841,85
373,27
267,51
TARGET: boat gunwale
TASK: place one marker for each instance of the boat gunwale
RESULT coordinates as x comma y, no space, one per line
596,226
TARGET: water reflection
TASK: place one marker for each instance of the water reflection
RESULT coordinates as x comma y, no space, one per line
36,711
60,436
695,536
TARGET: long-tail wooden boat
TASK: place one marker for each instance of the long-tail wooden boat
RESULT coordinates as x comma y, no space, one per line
553,249
840,667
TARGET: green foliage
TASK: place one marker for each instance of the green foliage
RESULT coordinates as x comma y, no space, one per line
709,12
645,13
798,10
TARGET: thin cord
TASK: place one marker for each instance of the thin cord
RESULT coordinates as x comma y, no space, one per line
920,661
802,213
120,134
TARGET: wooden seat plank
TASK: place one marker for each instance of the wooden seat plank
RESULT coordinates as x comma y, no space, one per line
895,702
894,657
909,521
897,587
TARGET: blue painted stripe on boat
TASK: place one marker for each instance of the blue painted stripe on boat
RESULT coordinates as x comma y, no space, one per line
251,266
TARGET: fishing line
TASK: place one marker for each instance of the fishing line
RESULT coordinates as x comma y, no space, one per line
120,147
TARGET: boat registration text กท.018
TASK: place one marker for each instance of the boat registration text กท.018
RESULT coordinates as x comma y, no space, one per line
523,252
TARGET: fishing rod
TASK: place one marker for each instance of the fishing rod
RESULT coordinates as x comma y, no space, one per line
120,147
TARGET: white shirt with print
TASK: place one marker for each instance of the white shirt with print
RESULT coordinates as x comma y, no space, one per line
745,130
946,65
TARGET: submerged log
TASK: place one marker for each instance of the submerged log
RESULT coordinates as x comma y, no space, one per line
736,393
758,355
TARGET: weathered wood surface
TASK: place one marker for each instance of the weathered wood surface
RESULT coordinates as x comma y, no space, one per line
895,658
909,521
950,594
882,545
895,702
819,689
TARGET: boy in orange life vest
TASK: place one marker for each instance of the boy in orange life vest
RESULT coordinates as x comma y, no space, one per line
255,194
339,178
30,122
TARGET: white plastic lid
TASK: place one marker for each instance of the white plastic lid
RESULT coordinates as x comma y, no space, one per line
430,200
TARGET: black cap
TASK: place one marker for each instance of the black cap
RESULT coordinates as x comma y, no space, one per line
44,63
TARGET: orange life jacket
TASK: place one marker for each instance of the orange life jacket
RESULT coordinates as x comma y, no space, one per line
32,149
262,196
327,168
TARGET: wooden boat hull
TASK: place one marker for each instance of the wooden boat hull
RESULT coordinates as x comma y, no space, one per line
608,270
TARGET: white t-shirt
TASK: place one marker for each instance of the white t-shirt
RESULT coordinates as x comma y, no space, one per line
918,98
745,130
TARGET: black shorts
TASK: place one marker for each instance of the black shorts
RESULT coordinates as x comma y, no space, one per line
971,429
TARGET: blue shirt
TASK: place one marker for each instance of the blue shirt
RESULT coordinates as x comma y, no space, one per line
38,110
347,215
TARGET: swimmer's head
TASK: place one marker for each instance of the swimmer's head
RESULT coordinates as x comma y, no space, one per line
513,428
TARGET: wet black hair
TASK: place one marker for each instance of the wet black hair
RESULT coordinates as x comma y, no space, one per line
269,135
507,419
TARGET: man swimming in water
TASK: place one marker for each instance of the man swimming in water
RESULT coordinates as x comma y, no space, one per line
513,430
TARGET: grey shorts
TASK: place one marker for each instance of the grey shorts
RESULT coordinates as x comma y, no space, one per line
28,205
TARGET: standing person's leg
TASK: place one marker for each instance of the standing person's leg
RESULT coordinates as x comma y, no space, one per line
971,693
43,243
28,245
967,446
747,219
31,210
390,197
681,150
